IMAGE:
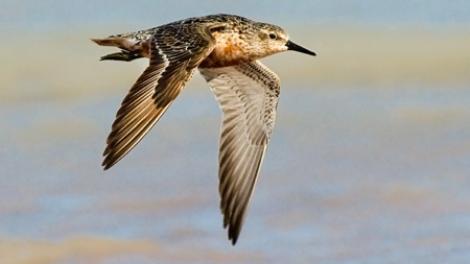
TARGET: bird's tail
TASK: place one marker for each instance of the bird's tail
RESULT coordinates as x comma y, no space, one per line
132,47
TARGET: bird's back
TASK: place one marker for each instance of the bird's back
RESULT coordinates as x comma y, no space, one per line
135,45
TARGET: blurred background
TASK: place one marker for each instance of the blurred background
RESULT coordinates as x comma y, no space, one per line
369,161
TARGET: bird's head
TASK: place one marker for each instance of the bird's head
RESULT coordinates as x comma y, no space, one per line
273,39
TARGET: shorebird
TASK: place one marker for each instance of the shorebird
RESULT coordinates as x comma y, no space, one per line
226,50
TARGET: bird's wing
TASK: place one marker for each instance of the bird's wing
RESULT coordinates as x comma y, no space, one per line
248,95
175,53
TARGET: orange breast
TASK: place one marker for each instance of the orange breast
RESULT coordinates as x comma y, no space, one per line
227,52
231,50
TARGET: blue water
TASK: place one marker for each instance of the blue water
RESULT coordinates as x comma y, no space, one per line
352,175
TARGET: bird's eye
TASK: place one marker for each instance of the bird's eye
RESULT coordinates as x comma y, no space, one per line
272,36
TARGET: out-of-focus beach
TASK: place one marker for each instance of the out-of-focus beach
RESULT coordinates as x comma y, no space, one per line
369,161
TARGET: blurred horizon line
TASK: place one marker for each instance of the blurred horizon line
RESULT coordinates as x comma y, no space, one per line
60,15
66,64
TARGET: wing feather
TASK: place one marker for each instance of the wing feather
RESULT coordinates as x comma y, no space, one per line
174,55
248,95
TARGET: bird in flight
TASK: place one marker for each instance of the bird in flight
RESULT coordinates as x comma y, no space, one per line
226,50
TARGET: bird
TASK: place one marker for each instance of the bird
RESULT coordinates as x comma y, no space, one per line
226,49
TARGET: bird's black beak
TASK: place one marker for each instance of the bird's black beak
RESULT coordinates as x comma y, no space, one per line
292,46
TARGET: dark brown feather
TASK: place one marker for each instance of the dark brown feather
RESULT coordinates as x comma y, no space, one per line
170,68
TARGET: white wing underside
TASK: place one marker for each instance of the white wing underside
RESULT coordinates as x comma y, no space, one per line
248,96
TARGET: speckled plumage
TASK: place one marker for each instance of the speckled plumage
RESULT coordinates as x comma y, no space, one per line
225,49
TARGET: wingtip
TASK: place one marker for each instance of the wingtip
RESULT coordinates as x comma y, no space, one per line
105,165
233,234
107,162
233,240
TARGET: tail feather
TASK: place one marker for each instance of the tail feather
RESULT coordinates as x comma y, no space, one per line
131,48
106,41
117,41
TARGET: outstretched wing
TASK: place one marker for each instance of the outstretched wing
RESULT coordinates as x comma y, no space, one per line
248,95
174,54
